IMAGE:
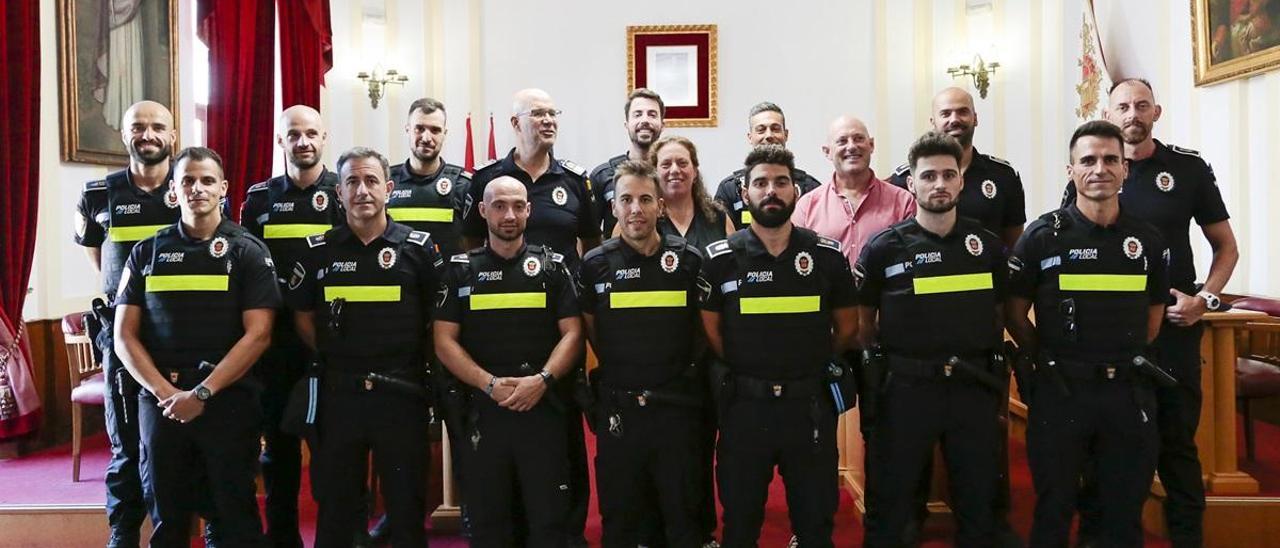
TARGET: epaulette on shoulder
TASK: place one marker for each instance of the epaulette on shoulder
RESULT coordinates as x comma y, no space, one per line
674,242
828,243
1001,161
419,237
717,248
315,240
575,168
1056,220
95,185
460,258
257,188
902,170
1184,150
484,165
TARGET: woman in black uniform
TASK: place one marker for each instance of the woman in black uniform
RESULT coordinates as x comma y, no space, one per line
690,212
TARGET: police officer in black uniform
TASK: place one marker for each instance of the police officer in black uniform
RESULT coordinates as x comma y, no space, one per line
1097,277
282,212
765,125
644,114
112,215
1169,186
563,217
194,313
430,194
778,305
639,295
508,326
943,276
363,295
993,193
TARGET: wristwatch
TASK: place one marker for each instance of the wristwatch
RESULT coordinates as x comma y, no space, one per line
1212,302
202,392
547,377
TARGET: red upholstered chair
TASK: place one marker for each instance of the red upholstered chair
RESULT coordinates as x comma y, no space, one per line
87,382
1258,368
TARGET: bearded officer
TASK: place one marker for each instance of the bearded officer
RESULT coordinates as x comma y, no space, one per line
779,305
941,275
639,296
523,295
362,295
194,313
643,118
283,211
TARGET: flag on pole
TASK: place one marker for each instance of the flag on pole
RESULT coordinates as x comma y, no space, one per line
493,148
469,163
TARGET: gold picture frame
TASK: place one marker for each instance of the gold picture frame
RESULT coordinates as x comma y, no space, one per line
92,97
681,61
1227,45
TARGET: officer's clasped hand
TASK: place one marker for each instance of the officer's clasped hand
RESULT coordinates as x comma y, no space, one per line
182,406
526,392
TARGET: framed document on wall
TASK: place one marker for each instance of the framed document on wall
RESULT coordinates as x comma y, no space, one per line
679,63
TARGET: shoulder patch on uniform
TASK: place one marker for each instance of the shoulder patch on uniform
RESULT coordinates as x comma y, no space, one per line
999,160
557,257
418,237
717,248
828,243
95,185
579,170
257,188
315,240
1184,150
904,169
460,258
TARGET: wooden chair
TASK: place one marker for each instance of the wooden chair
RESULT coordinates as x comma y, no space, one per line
1258,367
87,381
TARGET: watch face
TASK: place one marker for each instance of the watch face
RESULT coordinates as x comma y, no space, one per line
202,393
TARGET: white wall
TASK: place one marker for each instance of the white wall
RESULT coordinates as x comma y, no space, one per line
881,60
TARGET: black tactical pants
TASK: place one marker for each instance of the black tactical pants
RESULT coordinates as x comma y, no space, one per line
393,426
279,368
125,504
203,466
521,455
757,435
648,464
916,413
1110,422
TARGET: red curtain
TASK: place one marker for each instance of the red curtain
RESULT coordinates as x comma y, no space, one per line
19,186
306,50
241,36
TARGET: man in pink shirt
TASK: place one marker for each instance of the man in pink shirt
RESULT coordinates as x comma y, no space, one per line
854,205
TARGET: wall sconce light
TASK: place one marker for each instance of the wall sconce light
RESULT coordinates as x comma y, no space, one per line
981,72
378,83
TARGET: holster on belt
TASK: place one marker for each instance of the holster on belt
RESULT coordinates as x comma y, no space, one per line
584,395
301,412
842,385
874,373
1023,365
1048,365
452,397
722,387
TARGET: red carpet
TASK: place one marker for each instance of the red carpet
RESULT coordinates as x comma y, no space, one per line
45,478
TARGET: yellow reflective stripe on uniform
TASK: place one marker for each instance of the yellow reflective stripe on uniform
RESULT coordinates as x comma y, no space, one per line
1102,282
421,214
363,293
132,233
187,282
780,305
952,284
282,231
746,217
648,299
501,301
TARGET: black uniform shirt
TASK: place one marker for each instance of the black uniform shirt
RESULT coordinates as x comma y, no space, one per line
1169,189
114,214
645,310
283,215
936,294
1091,285
701,232
603,186
776,312
563,206
387,286
508,309
992,193
192,293
729,194
432,203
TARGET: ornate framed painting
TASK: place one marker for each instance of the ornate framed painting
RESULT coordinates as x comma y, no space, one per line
1234,38
679,63
111,54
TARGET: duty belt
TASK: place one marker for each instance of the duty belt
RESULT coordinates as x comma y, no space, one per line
795,389
971,366
375,382
187,378
1108,370
647,397
510,370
